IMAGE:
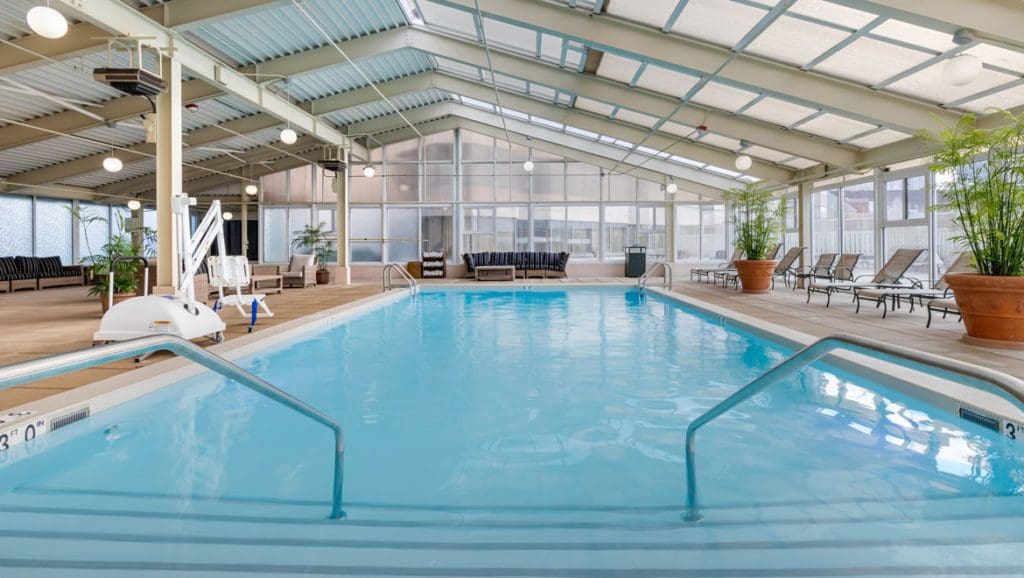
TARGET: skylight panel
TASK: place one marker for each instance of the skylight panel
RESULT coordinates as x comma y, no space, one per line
551,47
573,57
722,142
721,171
834,126
800,163
834,13
478,103
515,114
647,151
618,68
877,139
1009,98
721,22
448,18
686,161
654,13
542,92
871,61
795,41
517,84
606,139
998,56
776,111
666,81
447,65
581,133
677,129
723,97
510,35
929,85
767,154
636,117
546,123
594,106
918,35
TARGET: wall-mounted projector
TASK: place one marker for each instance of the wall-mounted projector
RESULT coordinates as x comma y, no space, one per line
134,81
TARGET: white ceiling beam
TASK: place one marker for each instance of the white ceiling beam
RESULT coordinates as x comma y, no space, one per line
612,34
85,38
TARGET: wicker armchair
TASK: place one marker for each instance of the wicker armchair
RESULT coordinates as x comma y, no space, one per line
299,272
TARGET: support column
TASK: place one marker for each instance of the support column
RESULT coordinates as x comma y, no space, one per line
168,171
803,197
342,273
245,222
670,232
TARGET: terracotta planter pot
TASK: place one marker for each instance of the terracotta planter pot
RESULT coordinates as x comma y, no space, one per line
118,297
323,277
992,308
755,276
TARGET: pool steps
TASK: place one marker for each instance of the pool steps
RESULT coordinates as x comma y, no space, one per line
142,536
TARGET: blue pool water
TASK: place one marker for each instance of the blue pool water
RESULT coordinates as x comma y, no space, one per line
535,399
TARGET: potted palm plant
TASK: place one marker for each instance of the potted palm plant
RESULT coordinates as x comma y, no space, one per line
316,240
757,219
984,190
126,273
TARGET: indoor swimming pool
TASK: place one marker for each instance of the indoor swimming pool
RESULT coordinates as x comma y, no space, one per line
528,431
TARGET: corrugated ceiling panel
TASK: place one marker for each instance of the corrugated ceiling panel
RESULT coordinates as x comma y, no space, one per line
381,108
344,77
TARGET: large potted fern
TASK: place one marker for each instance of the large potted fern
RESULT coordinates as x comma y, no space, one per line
984,190
757,218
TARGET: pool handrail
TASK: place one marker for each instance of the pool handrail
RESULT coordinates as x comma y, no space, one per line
386,277
641,283
924,362
53,365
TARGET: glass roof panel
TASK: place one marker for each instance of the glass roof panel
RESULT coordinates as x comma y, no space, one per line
516,84
795,41
834,126
722,142
879,138
551,47
767,154
998,56
871,61
722,22
676,129
777,111
800,163
666,81
594,106
724,97
832,13
542,92
928,84
510,36
617,68
447,17
573,58
1009,98
459,68
906,32
639,118
653,13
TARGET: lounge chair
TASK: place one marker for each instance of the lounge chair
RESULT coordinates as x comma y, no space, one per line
300,271
892,275
706,272
731,275
786,267
940,290
822,269
946,305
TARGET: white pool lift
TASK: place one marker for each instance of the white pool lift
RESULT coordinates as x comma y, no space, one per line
178,314
234,272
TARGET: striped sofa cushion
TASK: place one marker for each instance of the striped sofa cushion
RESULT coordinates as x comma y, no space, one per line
27,268
8,268
50,268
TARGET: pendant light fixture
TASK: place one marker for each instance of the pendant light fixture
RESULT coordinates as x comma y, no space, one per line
744,162
961,70
112,164
134,205
227,215
671,187
369,171
528,166
288,136
47,22
251,189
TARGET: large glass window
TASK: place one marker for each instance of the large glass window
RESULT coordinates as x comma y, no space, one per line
905,198
619,226
859,224
403,234
582,225
687,232
93,233
946,249
651,230
15,226
436,229
366,235
713,233
275,234
825,222
913,237
549,228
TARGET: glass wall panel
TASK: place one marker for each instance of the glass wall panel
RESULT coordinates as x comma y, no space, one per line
93,235
408,150
825,222
859,224
651,231
54,229
946,249
439,147
713,231
402,182
549,182
439,183
583,182
909,238
436,229
619,229
15,226
478,229
298,219
549,228
512,228
275,235
365,238
325,186
300,185
478,182
620,187
582,228
275,187
476,147
366,190
403,234
687,232
649,191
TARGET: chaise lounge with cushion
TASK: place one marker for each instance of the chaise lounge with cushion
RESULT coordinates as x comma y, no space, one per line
525,262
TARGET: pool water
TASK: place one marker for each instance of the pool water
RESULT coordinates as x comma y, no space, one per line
531,399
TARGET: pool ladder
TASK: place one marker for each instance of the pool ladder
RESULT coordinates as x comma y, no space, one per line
26,371
641,283
1008,387
389,283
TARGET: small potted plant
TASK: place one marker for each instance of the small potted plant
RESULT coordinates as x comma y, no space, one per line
757,219
985,192
316,240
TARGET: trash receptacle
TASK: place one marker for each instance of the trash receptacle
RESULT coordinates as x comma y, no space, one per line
636,260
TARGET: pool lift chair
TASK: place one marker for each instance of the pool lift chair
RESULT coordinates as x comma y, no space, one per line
234,271
178,314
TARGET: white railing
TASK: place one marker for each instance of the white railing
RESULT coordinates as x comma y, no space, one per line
641,283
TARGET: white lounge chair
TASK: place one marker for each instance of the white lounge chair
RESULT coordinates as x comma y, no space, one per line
235,272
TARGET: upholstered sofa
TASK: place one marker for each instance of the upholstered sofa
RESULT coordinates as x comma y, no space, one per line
525,262
300,271
37,273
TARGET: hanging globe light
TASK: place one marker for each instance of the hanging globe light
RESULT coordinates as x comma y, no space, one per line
289,136
47,22
528,166
134,205
251,189
671,188
368,171
961,70
112,164
227,216
744,162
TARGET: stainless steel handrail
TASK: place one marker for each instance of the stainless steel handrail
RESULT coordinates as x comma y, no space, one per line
1006,386
641,283
386,277
25,371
